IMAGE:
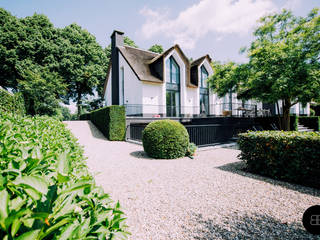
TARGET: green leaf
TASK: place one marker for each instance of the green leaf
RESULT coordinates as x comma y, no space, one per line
31,235
16,203
63,164
28,222
4,206
15,226
35,195
37,183
55,227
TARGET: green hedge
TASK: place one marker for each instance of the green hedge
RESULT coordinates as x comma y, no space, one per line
11,103
292,156
111,121
46,190
165,139
85,116
310,122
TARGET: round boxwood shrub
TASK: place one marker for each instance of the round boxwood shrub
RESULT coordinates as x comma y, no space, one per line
166,139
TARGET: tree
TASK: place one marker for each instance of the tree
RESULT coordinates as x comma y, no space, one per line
283,63
41,92
156,48
29,59
83,63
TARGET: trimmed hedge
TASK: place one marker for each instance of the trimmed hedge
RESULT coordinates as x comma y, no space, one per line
292,156
85,116
11,103
310,122
46,190
111,121
165,139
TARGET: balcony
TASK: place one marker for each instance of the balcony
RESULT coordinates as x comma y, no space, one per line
215,110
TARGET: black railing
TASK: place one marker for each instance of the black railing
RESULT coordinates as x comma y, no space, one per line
201,135
218,109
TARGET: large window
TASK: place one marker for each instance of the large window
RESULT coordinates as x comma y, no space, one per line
173,87
204,77
204,91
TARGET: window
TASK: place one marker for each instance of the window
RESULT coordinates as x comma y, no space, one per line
173,87
204,92
204,77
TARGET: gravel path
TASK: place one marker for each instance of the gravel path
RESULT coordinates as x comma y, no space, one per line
208,197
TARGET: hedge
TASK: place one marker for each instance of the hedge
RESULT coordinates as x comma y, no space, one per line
310,122
85,116
111,121
292,156
165,139
11,103
46,190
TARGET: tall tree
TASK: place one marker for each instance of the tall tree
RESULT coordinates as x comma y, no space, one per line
29,58
284,61
83,63
156,48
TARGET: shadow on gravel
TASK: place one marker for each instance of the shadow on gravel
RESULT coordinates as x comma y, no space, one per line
95,132
239,168
245,227
141,154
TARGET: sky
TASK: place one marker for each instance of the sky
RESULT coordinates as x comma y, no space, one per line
215,27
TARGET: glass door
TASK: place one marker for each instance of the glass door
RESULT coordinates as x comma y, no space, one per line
173,103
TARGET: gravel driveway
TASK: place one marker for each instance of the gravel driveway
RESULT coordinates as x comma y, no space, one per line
208,197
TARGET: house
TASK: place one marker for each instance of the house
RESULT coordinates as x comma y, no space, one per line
167,85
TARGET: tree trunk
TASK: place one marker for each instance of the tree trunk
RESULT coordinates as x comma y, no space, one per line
79,105
279,115
286,114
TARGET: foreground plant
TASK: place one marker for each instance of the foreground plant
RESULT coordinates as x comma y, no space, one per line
46,191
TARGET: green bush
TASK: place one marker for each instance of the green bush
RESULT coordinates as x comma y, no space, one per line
111,121
292,156
85,116
11,103
166,139
310,122
46,191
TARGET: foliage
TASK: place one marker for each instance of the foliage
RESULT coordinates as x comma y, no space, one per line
11,103
111,121
91,105
41,92
292,156
312,122
46,191
227,77
66,114
165,139
191,150
85,116
83,63
312,112
156,48
284,61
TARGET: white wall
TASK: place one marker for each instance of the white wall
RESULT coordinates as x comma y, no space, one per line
152,100
107,93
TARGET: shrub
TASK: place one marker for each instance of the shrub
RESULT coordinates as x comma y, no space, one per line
46,191
85,116
310,122
11,103
111,121
191,150
291,156
166,139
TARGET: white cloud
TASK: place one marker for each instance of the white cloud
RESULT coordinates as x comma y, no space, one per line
292,4
193,23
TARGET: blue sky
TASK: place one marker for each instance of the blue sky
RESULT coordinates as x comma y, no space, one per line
217,27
